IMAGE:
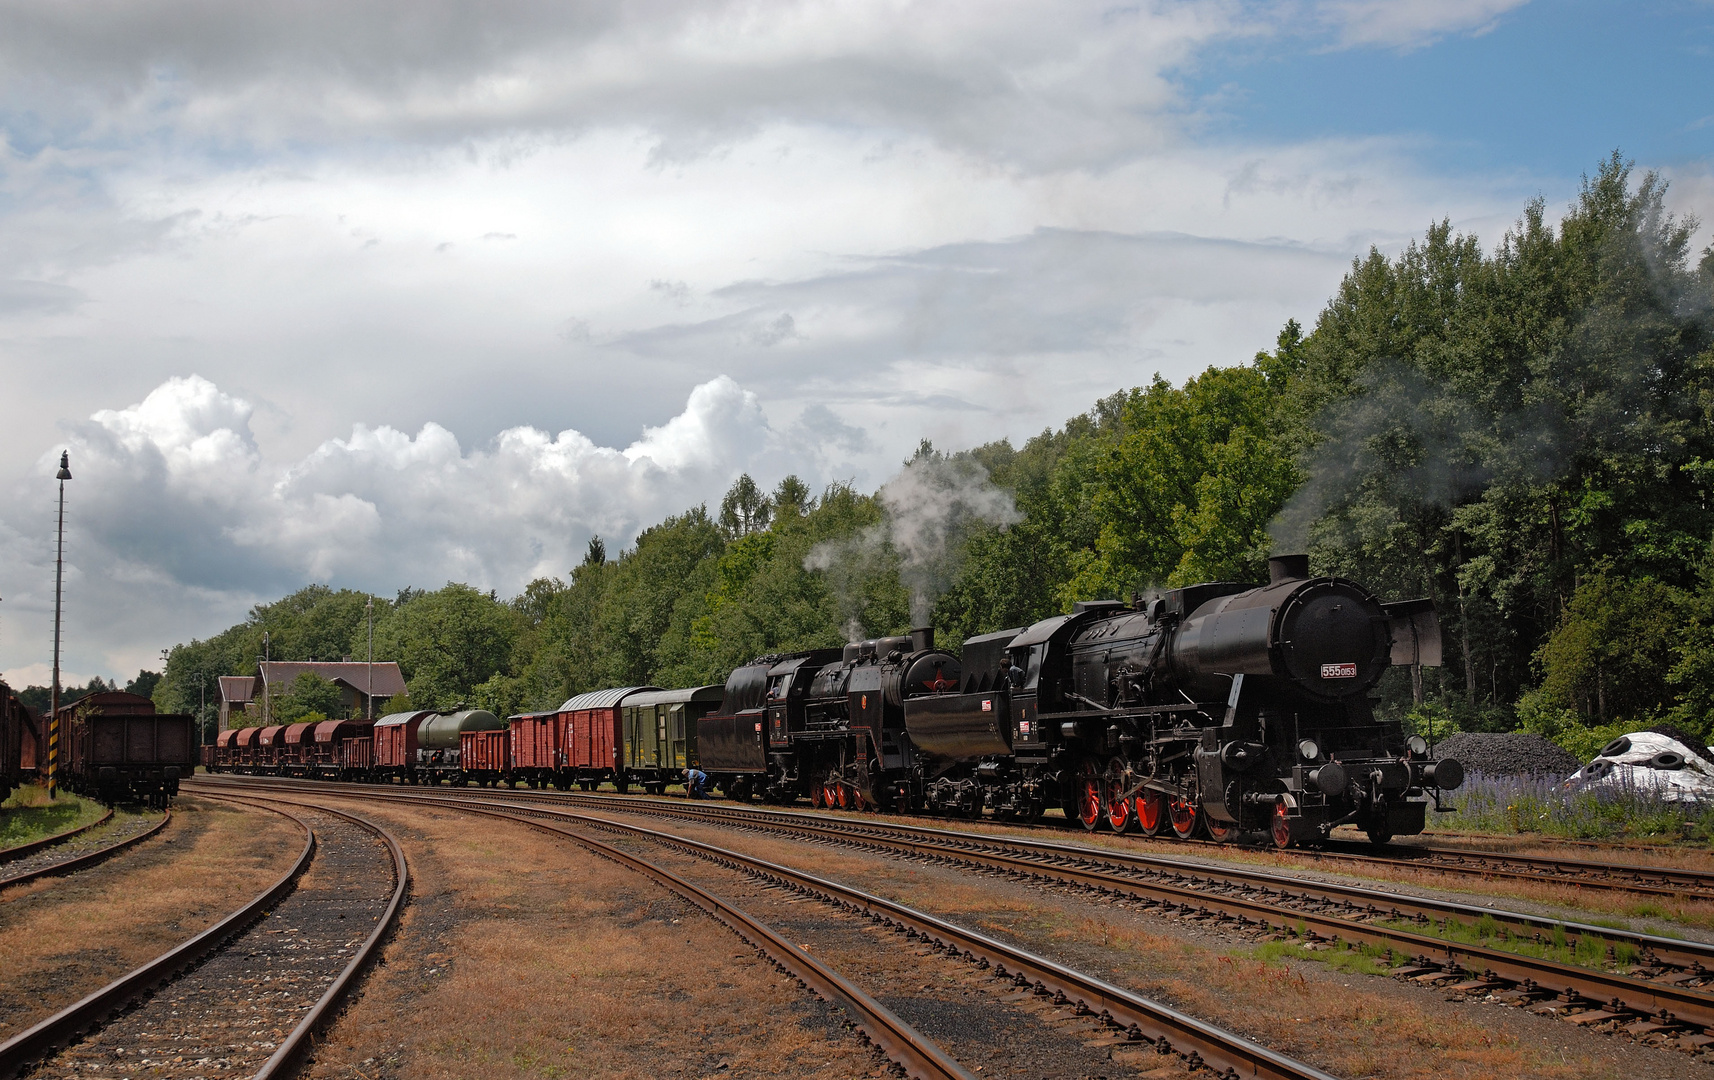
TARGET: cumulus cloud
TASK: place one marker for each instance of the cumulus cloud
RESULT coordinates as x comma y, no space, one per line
171,498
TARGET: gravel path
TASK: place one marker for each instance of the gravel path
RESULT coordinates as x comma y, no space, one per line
227,1016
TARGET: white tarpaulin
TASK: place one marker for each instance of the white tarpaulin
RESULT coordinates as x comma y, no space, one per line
1648,761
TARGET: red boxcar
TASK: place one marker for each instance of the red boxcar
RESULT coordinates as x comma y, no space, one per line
268,747
225,750
323,752
295,745
244,749
396,743
593,736
537,747
357,756
482,756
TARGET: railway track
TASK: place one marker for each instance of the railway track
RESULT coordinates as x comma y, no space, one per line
1133,1019
1668,990
1671,883
1663,881
47,862
284,959
19,851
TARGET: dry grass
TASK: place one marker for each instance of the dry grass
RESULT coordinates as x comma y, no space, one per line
61,938
1330,1013
525,956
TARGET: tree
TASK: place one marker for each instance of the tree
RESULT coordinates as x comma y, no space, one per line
1486,429
745,509
144,684
448,642
310,697
791,498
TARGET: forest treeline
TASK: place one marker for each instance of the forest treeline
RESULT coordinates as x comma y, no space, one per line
1524,433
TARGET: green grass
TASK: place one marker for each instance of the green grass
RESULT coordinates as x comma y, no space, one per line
29,815
1353,960
1588,950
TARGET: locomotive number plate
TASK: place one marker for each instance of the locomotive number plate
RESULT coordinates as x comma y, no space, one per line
1338,671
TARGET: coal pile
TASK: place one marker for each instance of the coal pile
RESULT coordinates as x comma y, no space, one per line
1513,754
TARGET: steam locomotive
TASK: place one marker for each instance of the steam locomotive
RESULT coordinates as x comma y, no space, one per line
1215,708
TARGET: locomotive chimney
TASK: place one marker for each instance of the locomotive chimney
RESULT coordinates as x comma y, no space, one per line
1287,568
922,639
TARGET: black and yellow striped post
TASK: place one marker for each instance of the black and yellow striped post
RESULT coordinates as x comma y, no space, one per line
59,577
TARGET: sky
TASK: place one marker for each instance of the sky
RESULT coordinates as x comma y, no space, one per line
394,294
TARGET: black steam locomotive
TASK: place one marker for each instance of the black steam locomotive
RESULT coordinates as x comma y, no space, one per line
1220,707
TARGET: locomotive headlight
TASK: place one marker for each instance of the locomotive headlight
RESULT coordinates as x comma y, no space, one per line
1308,750
1417,745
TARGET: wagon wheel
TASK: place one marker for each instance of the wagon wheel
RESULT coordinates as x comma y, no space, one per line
1151,813
1089,795
858,800
1121,815
841,794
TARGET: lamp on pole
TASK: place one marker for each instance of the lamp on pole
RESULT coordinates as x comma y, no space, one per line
63,475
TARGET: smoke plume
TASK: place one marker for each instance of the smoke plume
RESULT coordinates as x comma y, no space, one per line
928,509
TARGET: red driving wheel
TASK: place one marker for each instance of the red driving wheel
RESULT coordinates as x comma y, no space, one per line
1184,817
1151,812
1119,814
1281,828
1220,831
1089,797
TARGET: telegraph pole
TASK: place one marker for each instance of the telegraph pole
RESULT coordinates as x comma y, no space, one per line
369,698
59,577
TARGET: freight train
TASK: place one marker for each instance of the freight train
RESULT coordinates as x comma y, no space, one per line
1215,709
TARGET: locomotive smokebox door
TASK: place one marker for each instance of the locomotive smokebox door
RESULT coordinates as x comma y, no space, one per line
1335,641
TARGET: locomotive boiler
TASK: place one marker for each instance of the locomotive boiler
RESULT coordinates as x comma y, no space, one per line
1219,707
828,724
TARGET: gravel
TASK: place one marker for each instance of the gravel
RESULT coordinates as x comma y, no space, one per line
1513,754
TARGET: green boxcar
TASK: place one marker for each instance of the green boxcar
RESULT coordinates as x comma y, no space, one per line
660,733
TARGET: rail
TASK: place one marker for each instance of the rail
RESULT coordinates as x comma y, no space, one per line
87,859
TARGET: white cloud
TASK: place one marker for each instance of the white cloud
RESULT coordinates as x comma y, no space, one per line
171,502
1410,24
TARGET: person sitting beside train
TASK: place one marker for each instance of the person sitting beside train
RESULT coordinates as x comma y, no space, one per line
696,783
